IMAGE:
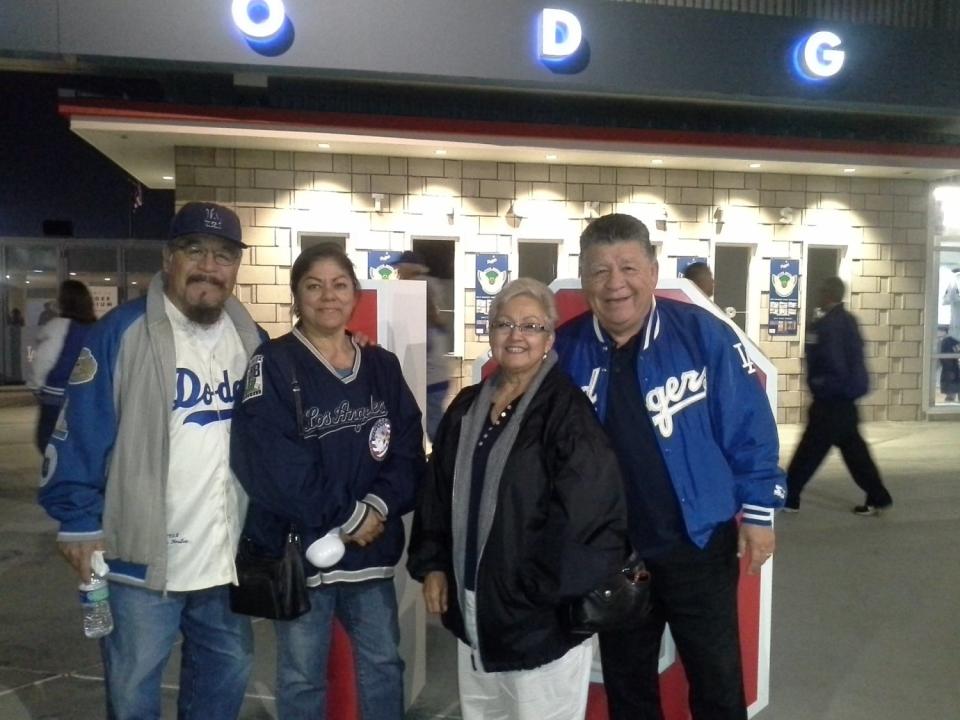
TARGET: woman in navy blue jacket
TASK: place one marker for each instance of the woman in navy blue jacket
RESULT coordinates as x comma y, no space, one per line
350,463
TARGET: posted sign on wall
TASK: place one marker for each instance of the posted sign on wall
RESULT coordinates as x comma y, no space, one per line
784,297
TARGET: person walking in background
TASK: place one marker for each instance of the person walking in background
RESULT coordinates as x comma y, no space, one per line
697,444
700,275
410,267
351,463
138,467
522,512
837,377
58,344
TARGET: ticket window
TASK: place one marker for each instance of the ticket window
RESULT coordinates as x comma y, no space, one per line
537,260
439,255
822,263
731,275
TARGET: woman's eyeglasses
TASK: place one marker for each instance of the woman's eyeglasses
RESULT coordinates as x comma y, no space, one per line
505,327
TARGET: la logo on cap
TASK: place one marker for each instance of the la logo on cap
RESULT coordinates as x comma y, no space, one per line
212,219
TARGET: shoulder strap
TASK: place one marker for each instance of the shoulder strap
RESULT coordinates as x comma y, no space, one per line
287,359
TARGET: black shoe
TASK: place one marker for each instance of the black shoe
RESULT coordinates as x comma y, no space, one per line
871,510
791,509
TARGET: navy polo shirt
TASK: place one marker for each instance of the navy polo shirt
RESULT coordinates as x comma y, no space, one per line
655,521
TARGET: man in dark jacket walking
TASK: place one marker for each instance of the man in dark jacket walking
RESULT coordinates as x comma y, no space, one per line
837,377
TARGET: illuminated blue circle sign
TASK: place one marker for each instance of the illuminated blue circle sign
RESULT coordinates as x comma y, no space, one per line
819,56
265,25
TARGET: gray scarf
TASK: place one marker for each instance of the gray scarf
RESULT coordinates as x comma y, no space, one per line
472,425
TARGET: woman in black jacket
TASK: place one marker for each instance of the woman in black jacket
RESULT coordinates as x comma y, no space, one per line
521,513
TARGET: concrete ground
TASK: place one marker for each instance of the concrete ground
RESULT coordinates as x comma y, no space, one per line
865,610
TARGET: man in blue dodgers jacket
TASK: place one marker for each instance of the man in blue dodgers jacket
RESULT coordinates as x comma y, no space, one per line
138,467
698,445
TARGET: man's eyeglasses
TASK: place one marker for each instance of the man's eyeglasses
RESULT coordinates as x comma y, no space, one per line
505,327
225,256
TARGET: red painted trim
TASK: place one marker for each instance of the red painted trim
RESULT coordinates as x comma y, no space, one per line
544,134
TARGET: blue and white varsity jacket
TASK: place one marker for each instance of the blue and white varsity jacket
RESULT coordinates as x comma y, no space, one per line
105,469
710,415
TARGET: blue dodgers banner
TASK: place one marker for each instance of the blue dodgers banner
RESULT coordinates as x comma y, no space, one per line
492,275
784,297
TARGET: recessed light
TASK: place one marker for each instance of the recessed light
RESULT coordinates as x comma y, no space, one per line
133,282
439,152
106,279
849,170
657,161
27,282
754,165
38,271
324,146
72,274
8,277
551,157
168,177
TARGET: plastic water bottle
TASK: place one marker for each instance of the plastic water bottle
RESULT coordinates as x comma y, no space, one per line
95,600
327,551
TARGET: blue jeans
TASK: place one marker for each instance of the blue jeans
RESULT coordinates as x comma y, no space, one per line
216,656
368,612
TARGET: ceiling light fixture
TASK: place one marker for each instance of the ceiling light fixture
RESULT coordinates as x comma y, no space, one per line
754,165
657,161
324,146
551,157
439,152
849,170
168,177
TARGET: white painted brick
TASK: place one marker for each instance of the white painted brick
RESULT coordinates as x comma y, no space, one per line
497,188
821,183
728,180
194,156
603,193
505,171
479,206
259,236
533,171
651,195
442,186
272,294
254,196
283,160
393,184
878,268
398,166
273,179
633,176
452,168
544,191
372,164
259,159
745,198
342,163
359,183
482,170
425,166
217,177
256,275
470,188
608,176
272,256
705,178
583,174
696,196
322,162
909,220
558,173
770,181
904,317
681,178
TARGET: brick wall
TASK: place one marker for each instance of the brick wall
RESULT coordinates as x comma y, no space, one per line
881,222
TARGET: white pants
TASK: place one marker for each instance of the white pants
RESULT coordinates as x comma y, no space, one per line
555,691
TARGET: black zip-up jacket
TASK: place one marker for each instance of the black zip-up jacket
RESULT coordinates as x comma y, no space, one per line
835,366
559,527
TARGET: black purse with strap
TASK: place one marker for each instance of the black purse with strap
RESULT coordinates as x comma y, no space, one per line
269,586
620,602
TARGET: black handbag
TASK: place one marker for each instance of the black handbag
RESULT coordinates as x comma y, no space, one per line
268,586
618,603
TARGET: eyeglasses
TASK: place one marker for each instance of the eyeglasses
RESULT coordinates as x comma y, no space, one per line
225,256
505,327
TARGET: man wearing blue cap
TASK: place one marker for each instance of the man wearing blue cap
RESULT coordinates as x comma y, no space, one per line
138,469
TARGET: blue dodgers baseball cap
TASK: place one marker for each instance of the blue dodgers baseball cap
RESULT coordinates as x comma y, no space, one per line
205,218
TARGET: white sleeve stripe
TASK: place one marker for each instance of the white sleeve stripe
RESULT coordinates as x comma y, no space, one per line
354,522
377,503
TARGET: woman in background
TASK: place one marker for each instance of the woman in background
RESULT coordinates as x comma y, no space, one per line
59,341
